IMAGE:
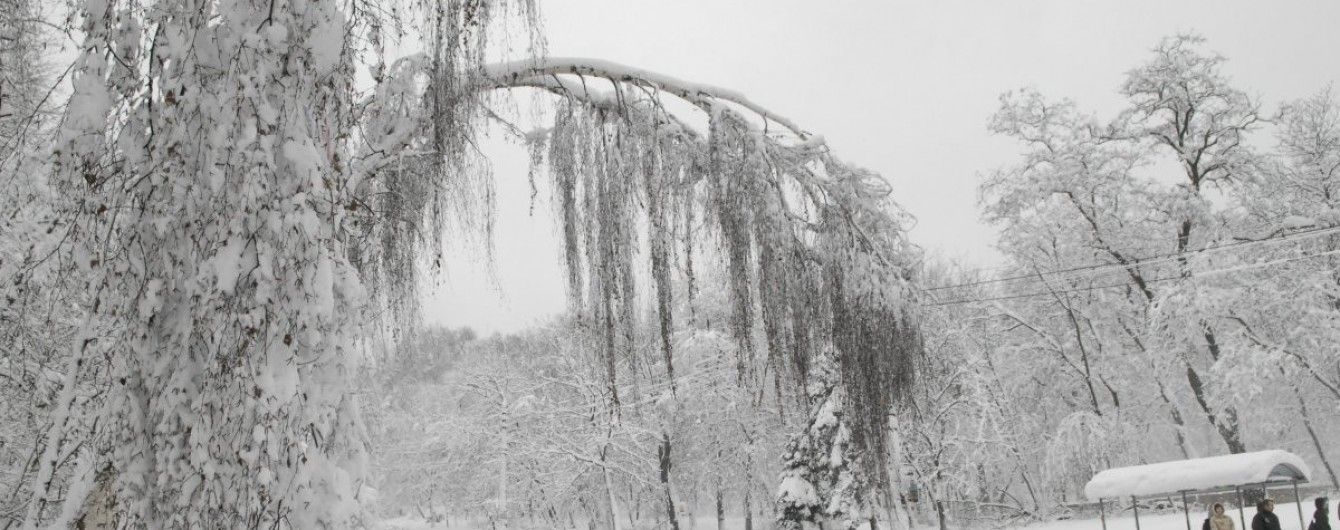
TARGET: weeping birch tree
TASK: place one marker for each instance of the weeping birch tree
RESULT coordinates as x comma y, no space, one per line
240,208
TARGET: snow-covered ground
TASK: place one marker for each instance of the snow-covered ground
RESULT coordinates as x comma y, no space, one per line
1287,512
414,523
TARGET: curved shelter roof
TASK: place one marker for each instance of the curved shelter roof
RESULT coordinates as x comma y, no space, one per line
1216,472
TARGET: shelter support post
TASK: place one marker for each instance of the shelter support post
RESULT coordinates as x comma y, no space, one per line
1102,513
1186,511
1242,519
1135,505
1299,503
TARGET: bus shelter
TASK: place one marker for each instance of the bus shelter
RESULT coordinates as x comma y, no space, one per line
1216,474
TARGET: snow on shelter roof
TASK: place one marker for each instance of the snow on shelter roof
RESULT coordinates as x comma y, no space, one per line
1198,474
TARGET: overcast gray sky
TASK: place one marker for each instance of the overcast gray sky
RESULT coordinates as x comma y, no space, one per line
904,88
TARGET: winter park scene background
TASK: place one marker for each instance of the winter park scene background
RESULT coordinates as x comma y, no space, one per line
633,265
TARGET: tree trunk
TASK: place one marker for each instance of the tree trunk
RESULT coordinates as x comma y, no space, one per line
613,506
748,509
635,511
692,510
721,511
1179,426
891,503
1228,427
502,482
748,478
664,456
1316,441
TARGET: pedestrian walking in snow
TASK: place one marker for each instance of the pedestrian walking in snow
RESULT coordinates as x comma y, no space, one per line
1321,519
1218,519
1265,518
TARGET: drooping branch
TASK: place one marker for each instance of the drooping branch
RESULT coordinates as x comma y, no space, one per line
812,251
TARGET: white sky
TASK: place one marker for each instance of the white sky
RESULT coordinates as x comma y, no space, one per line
902,87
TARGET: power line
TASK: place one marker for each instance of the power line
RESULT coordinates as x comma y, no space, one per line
1093,268
1125,284
1149,260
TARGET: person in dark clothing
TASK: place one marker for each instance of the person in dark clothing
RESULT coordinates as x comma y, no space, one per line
1265,518
1321,519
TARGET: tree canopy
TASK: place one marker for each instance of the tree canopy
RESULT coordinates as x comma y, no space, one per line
240,213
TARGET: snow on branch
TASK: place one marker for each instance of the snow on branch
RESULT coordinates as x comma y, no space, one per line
706,97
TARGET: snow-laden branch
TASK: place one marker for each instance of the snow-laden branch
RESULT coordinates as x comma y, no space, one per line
608,101
706,97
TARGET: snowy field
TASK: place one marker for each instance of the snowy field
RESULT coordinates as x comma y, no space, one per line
1286,511
1148,521
413,523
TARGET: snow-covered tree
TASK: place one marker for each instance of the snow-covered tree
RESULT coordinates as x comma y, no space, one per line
214,156
819,281
38,301
1089,183
1182,101
240,207
1282,317
1165,294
